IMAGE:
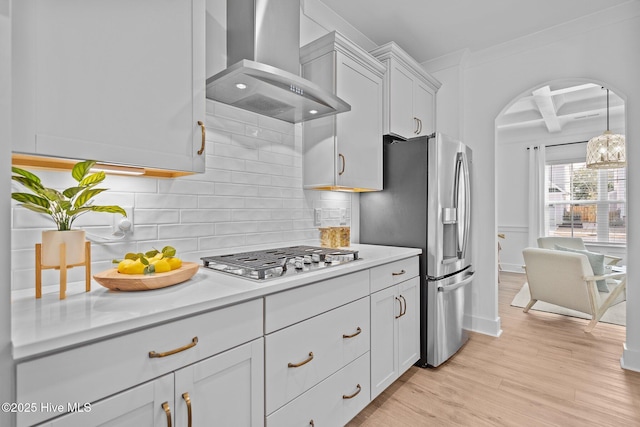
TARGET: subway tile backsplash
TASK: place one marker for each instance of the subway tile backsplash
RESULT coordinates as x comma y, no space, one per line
249,196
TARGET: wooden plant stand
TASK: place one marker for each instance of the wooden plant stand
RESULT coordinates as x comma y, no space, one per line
63,267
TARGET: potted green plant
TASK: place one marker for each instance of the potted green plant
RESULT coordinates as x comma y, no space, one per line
64,207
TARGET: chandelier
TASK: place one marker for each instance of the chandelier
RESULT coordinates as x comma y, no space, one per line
606,151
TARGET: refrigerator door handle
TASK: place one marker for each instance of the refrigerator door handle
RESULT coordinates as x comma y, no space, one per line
461,194
466,280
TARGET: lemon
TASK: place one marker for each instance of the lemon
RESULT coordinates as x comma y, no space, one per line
161,265
157,256
124,264
135,267
174,262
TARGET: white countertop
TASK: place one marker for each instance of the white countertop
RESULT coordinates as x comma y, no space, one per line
48,324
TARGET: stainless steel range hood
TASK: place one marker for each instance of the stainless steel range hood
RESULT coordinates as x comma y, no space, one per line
263,57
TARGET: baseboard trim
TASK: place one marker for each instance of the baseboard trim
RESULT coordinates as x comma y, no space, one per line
512,268
483,326
630,359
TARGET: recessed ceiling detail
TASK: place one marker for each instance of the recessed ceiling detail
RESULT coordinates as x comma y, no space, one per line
553,110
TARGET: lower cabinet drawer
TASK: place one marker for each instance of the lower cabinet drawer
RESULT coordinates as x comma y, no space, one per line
393,273
295,305
333,402
94,371
300,356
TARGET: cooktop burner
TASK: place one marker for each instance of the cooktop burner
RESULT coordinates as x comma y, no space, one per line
272,263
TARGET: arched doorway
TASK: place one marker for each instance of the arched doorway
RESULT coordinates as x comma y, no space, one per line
561,115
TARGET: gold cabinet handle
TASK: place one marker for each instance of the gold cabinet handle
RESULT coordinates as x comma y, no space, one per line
193,343
355,334
344,164
399,315
417,122
351,396
399,273
204,134
187,400
167,411
419,126
304,362
402,313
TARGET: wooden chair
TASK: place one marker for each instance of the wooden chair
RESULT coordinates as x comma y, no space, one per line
572,243
566,279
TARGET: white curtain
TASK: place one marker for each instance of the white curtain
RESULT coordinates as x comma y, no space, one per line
536,194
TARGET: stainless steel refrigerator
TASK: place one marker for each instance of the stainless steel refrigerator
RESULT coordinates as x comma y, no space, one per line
426,203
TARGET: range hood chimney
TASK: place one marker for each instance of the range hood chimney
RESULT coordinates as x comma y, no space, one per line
263,60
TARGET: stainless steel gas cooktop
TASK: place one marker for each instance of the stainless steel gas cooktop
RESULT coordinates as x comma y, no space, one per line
273,263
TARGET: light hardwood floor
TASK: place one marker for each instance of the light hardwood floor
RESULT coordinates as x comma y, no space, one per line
544,370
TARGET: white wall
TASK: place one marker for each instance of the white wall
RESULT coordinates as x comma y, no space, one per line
7,389
493,78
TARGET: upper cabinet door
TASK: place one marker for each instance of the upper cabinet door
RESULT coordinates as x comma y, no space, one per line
111,80
409,94
344,152
424,107
359,131
399,108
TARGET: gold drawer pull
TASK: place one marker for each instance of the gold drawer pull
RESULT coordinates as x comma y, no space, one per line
167,411
193,343
400,273
351,396
358,332
204,134
400,301
304,362
405,306
187,399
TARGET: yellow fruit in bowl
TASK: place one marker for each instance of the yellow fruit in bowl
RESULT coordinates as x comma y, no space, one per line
122,265
161,266
134,267
174,262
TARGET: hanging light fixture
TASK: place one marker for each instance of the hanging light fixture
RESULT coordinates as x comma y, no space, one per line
607,151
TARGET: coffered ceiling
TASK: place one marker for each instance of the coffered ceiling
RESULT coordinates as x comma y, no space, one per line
568,109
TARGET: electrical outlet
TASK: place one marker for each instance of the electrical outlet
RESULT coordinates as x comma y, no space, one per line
123,224
343,216
317,216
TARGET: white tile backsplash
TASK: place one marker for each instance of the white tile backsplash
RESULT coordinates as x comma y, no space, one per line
249,196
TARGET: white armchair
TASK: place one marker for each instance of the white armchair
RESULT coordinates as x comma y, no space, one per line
572,243
566,279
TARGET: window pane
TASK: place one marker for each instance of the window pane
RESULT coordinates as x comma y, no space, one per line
586,203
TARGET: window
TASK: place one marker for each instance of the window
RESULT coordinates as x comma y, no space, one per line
586,203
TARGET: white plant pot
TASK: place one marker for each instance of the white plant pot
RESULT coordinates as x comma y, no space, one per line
74,241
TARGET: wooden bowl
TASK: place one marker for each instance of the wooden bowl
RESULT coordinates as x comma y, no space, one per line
143,282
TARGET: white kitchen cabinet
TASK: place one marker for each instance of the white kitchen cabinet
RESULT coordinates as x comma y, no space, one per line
92,372
344,152
302,355
226,390
111,80
395,330
317,352
333,402
150,404
409,94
